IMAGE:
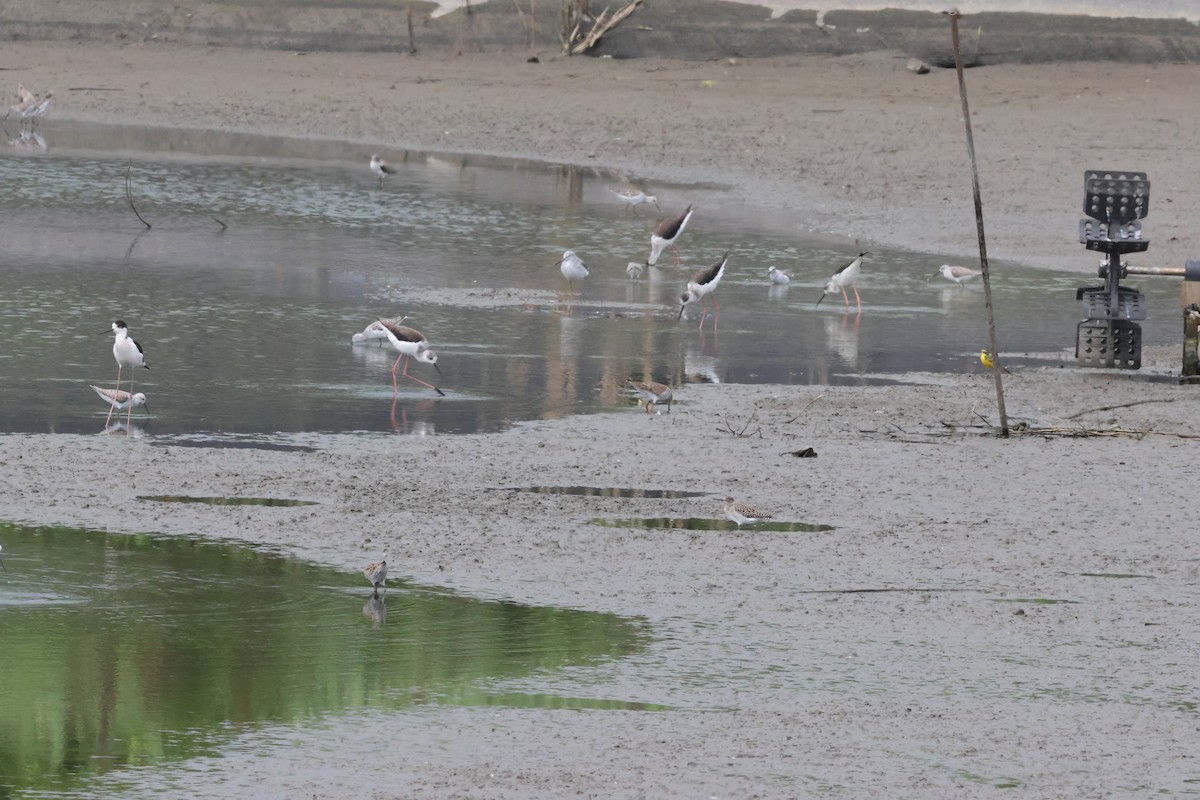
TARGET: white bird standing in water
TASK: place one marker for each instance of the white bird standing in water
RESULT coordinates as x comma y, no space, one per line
778,276
846,276
702,284
573,268
375,330
633,198
128,353
381,168
957,274
413,344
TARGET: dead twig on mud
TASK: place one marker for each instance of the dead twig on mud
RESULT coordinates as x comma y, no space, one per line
742,431
129,196
224,227
601,27
806,407
1079,414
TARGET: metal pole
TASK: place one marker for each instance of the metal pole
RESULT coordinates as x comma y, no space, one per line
983,261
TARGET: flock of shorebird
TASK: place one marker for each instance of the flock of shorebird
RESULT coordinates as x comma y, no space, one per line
411,344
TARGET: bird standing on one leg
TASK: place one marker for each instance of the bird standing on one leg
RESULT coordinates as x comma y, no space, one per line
381,168
666,234
702,284
128,353
846,276
573,268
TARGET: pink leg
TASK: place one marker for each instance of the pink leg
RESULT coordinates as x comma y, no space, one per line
111,407
675,252
846,297
394,384
857,298
404,374
717,313
704,307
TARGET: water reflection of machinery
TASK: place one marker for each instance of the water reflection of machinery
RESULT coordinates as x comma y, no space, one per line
841,337
375,610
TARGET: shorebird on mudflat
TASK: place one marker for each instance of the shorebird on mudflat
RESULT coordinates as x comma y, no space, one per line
666,234
375,330
957,274
119,399
741,514
376,575
380,168
846,276
632,198
128,353
410,344
778,276
702,284
652,393
573,268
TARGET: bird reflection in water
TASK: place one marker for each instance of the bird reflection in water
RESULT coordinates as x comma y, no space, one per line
375,610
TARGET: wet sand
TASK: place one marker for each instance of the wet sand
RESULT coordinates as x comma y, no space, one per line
911,651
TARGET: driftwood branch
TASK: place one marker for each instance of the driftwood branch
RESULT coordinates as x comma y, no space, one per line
739,433
601,27
806,407
129,196
1079,414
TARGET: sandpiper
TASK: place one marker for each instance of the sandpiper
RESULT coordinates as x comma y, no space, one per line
652,393
957,274
741,514
119,399
778,276
412,344
376,575
375,330
632,198
573,268
634,270
846,276
666,234
702,284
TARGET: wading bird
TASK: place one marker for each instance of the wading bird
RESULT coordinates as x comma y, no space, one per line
702,284
128,353
410,344
666,234
846,276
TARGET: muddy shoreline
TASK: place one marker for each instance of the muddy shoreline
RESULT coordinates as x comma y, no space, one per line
962,629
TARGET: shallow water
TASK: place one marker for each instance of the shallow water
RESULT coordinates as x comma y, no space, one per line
130,650
247,328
